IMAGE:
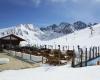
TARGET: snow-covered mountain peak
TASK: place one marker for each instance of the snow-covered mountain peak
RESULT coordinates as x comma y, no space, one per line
30,27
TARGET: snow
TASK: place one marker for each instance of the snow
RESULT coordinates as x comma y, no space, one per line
4,61
52,73
82,37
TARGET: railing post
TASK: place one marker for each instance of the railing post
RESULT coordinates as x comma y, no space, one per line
30,56
66,48
98,50
63,48
81,58
78,48
45,46
59,47
86,57
73,61
42,59
59,54
90,54
93,52
30,52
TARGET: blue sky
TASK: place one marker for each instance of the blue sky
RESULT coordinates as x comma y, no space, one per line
45,12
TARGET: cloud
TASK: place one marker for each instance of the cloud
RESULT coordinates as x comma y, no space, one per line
36,2
96,0
75,1
58,1
50,2
64,1
25,2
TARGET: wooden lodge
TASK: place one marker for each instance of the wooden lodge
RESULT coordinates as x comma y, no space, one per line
10,41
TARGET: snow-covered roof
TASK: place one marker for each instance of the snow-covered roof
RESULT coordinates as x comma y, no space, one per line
12,37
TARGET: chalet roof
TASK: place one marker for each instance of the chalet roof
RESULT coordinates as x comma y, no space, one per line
13,37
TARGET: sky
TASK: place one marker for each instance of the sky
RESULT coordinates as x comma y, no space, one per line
46,12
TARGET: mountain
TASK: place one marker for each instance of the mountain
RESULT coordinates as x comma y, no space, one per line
31,33
65,33
49,28
86,37
79,25
65,27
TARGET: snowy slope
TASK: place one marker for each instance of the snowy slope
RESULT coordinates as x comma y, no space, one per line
53,73
82,37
